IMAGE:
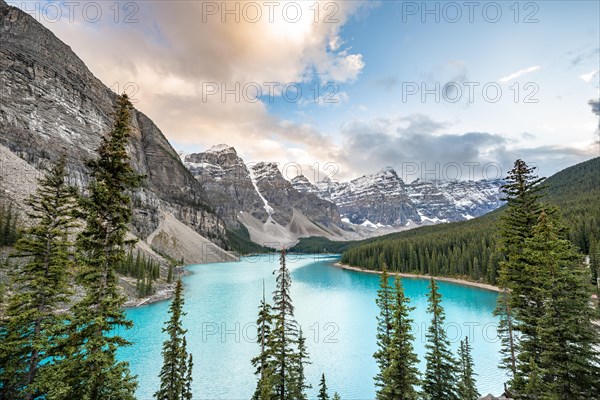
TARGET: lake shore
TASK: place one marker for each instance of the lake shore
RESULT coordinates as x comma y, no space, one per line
464,282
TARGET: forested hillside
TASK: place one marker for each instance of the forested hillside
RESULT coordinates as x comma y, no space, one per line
469,249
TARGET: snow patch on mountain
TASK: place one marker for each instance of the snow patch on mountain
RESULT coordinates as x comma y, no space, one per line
254,179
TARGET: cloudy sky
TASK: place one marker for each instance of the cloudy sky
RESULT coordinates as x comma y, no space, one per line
346,88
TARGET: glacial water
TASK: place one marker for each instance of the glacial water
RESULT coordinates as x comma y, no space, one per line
336,309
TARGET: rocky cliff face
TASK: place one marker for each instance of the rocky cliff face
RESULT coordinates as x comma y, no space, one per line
52,104
227,183
283,198
378,199
258,194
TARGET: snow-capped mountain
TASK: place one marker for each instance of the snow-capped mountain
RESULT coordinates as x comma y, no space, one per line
379,199
261,199
385,200
275,210
448,201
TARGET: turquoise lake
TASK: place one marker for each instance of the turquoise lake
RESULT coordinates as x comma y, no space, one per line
336,309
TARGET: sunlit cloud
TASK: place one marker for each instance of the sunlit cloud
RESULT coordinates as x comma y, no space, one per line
519,73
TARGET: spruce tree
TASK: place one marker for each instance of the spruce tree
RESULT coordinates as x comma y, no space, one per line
533,386
595,265
187,391
29,337
466,384
336,396
299,361
569,363
440,379
506,333
283,355
323,389
284,336
92,370
384,301
186,365
520,307
264,361
402,375
174,372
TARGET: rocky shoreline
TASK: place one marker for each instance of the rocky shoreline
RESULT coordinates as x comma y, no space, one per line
464,282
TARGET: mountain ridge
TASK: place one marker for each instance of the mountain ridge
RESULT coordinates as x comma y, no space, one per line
52,105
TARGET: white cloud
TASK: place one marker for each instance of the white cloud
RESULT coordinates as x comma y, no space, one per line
587,78
519,73
175,49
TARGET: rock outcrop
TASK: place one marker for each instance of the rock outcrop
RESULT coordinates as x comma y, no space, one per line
258,197
51,104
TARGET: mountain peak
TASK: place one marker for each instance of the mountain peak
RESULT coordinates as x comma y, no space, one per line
221,148
387,171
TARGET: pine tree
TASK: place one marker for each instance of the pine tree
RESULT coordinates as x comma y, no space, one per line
299,361
92,370
569,362
595,264
170,274
8,225
187,392
384,329
173,374
336,396
402,375
533,386
284,336
30,336
440,380
506,334
466,384
264,361
323,389
520,307
186,365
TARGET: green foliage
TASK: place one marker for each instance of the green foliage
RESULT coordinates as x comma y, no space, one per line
470,249
457,249
144,269
262,362
506,333
440,380
8,225
30,334
336,396
170,274
384,301
466,383
239,240
546,302
521,302
283,355
568,359
92,370
187,390
323,389
595,261
402,375
318,244
176,372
